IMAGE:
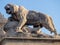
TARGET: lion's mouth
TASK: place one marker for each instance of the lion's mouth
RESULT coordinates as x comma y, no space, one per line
9,12
7,9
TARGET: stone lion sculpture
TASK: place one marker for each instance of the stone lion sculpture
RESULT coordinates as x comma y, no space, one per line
29,17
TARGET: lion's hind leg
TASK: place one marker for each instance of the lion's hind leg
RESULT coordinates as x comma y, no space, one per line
53,26
50,25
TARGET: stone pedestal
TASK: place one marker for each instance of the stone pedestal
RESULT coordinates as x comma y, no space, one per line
29,41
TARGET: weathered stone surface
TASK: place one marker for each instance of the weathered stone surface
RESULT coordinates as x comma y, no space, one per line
30,41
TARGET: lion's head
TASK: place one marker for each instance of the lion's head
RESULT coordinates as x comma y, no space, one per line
11,8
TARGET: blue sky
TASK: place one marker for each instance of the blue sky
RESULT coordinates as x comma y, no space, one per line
50,7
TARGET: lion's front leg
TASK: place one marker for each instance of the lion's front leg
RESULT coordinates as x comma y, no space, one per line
21,23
